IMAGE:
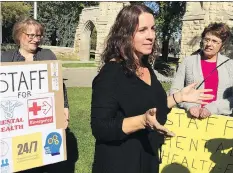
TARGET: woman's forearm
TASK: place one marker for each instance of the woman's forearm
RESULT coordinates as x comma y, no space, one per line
133,124
173,99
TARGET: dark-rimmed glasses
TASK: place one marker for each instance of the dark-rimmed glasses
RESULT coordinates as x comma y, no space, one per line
214,42
32,36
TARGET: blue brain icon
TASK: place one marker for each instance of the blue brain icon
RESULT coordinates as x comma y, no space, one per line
53,144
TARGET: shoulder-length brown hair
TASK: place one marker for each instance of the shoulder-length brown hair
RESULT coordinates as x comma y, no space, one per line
119,43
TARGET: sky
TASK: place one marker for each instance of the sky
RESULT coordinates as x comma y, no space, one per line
153,5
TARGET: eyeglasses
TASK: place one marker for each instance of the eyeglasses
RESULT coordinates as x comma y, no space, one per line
32,36
214,42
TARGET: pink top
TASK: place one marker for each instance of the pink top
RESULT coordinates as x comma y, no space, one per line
212,81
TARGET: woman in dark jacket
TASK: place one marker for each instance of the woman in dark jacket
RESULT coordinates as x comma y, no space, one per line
129,104
27,34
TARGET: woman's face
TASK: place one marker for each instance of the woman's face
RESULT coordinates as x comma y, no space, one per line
30,39
211,45
144,35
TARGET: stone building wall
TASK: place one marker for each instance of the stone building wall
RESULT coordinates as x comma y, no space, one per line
87,21
101,17
199,15
108,13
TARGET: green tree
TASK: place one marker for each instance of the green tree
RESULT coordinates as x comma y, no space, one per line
169,22
60,19
11,12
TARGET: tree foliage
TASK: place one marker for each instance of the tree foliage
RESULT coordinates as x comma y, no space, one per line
168,18
60,19
11,12
169,22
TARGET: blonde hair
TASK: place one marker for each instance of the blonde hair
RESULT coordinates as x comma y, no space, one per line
22,25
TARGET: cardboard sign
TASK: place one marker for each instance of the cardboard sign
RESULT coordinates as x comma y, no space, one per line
31,115
200,146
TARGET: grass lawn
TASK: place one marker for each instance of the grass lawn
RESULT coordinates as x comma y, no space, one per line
70,57
80,101
67,57
77,65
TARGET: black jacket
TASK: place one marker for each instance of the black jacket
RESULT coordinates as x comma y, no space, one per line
116,96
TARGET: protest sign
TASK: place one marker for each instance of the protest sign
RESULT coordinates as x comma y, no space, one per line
200,146
31,115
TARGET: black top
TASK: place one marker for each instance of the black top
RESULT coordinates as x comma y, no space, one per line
41,55
117,96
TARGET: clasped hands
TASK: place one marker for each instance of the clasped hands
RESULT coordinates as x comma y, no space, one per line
199,112
197,96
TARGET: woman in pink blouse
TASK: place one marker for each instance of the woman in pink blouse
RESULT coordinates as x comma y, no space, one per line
211,70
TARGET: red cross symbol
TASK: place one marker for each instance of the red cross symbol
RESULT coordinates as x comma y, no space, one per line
34,108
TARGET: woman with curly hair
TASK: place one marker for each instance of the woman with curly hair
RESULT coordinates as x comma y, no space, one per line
129,105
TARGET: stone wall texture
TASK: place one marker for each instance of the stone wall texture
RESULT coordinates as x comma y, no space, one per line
198,15
101,17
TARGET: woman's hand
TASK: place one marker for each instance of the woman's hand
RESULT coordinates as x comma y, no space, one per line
66,114
199,112
190,94
152,123
204,113
195,111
